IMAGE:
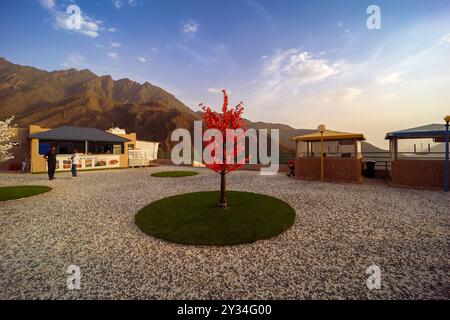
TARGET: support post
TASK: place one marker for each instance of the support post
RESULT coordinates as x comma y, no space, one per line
321,128
391,151
446,170
321,157
395,148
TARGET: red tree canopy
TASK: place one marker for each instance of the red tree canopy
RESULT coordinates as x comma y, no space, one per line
228,119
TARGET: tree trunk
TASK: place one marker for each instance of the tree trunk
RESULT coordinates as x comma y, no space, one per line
223,195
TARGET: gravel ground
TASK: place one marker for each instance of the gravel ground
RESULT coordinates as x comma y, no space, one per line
340,230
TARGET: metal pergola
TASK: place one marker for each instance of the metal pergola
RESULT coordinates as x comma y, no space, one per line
436,131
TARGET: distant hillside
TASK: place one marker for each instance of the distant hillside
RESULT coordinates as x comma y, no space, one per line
82,98
287,132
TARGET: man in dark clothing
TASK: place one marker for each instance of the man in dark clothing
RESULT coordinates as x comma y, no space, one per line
51,162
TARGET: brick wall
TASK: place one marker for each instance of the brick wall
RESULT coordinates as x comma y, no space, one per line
426,174
336,169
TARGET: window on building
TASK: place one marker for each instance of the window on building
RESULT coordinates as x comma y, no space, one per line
44,147
69,147
62,147
105,148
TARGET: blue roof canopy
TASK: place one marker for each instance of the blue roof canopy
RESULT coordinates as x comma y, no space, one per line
434,130
70,133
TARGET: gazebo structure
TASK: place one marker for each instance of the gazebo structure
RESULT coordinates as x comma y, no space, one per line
424,172
329,155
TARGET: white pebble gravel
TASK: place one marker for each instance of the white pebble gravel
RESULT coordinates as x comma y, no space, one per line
339,231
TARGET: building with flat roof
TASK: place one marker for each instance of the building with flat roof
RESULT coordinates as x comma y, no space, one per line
98,149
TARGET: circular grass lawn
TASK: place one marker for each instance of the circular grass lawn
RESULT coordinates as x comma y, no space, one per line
194,218
174,174
17,192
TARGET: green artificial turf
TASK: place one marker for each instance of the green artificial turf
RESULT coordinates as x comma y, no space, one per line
194,218
17,192
175,174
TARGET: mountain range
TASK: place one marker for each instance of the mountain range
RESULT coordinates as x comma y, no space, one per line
81,98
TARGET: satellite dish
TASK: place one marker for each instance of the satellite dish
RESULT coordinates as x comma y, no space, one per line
321,128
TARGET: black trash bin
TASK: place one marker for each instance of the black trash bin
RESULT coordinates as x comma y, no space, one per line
370,169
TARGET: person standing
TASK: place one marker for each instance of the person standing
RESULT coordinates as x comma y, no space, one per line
75,161
51,162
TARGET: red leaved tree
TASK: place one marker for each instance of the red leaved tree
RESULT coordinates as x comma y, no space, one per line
225,161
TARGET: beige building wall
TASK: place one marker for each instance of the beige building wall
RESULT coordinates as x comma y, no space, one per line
124,157
38,163
29,149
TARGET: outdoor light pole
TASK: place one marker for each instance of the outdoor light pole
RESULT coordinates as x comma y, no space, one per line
447,120
321,128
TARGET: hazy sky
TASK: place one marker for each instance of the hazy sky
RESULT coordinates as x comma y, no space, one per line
296,62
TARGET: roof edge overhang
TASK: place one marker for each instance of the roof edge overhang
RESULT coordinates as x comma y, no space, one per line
415,135
334,138
122,140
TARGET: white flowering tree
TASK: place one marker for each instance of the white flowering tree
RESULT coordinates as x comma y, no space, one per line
6,134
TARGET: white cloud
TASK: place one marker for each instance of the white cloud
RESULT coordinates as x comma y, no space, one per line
113,55
391,78
347,95
155,49
445,39
89,27
288,76
344,96
112,29
49,4
219,91
74,60
118,3
191,27
214,90
115,44
350,94
259,8
121,3
292,67
142,59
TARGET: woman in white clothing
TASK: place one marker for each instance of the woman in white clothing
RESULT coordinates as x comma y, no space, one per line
75,161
